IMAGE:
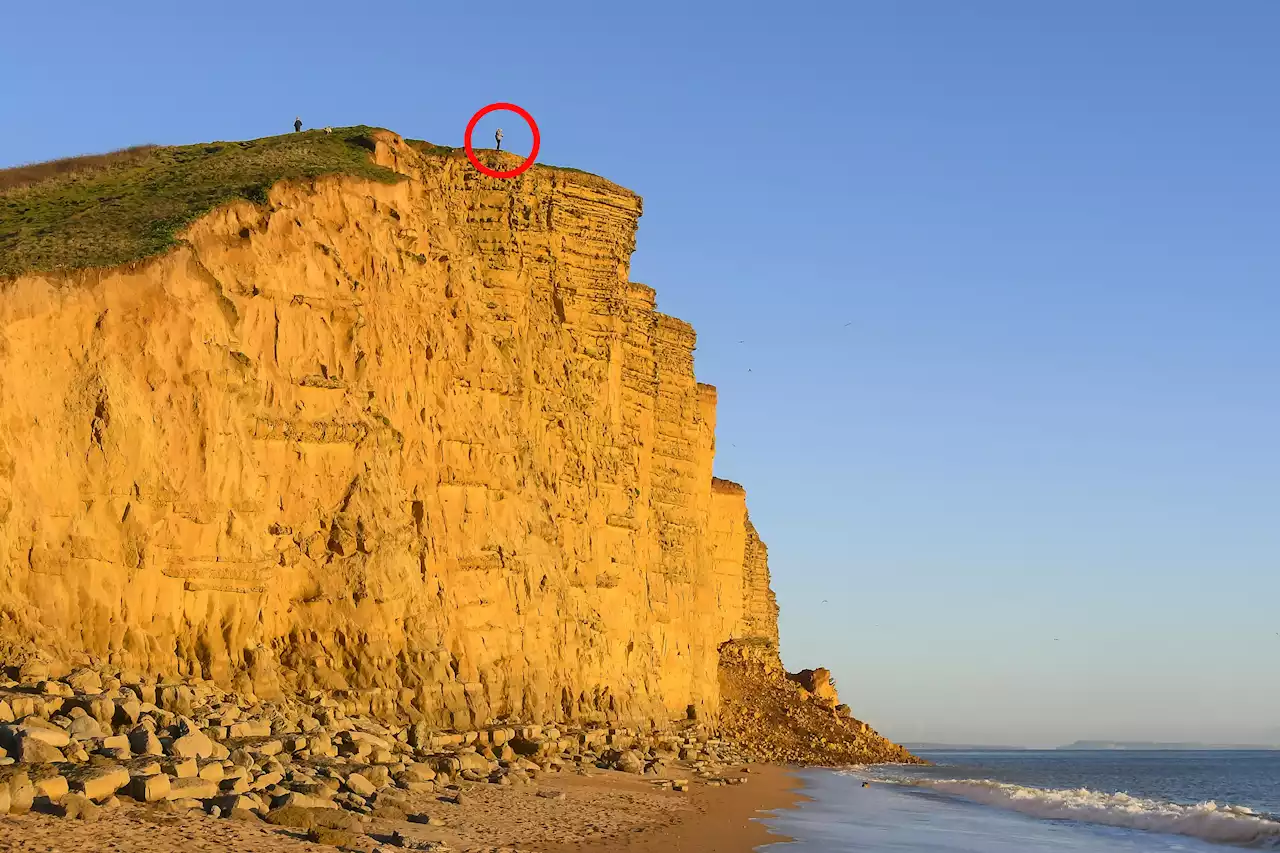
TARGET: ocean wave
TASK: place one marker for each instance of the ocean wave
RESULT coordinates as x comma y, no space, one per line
1209,821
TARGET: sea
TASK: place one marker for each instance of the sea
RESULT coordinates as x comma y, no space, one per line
1062,801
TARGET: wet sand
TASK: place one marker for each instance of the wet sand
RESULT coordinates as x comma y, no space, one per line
606,811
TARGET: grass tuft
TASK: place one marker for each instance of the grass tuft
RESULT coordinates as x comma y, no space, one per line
104,210
34,173
431,148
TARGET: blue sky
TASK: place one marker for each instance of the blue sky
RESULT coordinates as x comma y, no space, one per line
1006,274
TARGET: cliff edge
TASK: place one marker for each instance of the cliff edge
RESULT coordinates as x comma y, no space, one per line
367,423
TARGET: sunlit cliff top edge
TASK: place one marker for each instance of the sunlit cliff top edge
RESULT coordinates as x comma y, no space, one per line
107,210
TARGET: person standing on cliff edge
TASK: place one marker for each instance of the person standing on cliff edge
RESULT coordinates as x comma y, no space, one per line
497,137
297,124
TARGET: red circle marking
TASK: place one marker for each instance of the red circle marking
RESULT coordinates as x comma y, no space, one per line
533,154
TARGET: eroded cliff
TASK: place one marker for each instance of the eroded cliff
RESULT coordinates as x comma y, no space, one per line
421,443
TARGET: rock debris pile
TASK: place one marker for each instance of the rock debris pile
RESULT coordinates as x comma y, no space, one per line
75,745
795,719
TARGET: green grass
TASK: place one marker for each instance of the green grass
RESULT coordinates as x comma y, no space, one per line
107,210
431,148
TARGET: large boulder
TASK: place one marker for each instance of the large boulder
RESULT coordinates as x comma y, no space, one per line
38,729
143,741
628,761
85,727
33,750
98,783
194,788
190,742
85,681
21,792
818,682
358,784
150,789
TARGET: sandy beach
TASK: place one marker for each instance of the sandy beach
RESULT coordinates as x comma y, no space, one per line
605,811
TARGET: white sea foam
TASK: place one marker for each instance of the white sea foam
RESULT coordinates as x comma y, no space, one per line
1208,820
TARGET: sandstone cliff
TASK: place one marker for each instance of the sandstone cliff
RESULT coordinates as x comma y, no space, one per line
423,444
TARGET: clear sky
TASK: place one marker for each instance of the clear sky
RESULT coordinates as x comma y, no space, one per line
991,291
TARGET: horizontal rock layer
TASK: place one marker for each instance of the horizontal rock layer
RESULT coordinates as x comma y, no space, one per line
422,443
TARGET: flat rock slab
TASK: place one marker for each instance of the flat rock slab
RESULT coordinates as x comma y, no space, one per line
306,801
98,783
193,788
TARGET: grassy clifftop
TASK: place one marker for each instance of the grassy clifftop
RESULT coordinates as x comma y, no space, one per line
106,210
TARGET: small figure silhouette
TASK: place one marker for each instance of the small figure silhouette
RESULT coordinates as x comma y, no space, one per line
297,125
497,137
328,130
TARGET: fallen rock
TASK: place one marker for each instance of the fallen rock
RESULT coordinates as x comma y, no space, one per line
630,762
185,804
236,802
98,783
127,712
211,771
304,818
305,801
419,772
85,681
150,789
297,817
21,792
31,749
44,731
331,837
143,741
194,745
389,812
358,784
79,807
53,787
143,766
116,742
192,787
184,769
85,728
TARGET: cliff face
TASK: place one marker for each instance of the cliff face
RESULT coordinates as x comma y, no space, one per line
423,442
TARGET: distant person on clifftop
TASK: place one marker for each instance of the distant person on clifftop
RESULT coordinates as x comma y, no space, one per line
497,137
297,125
